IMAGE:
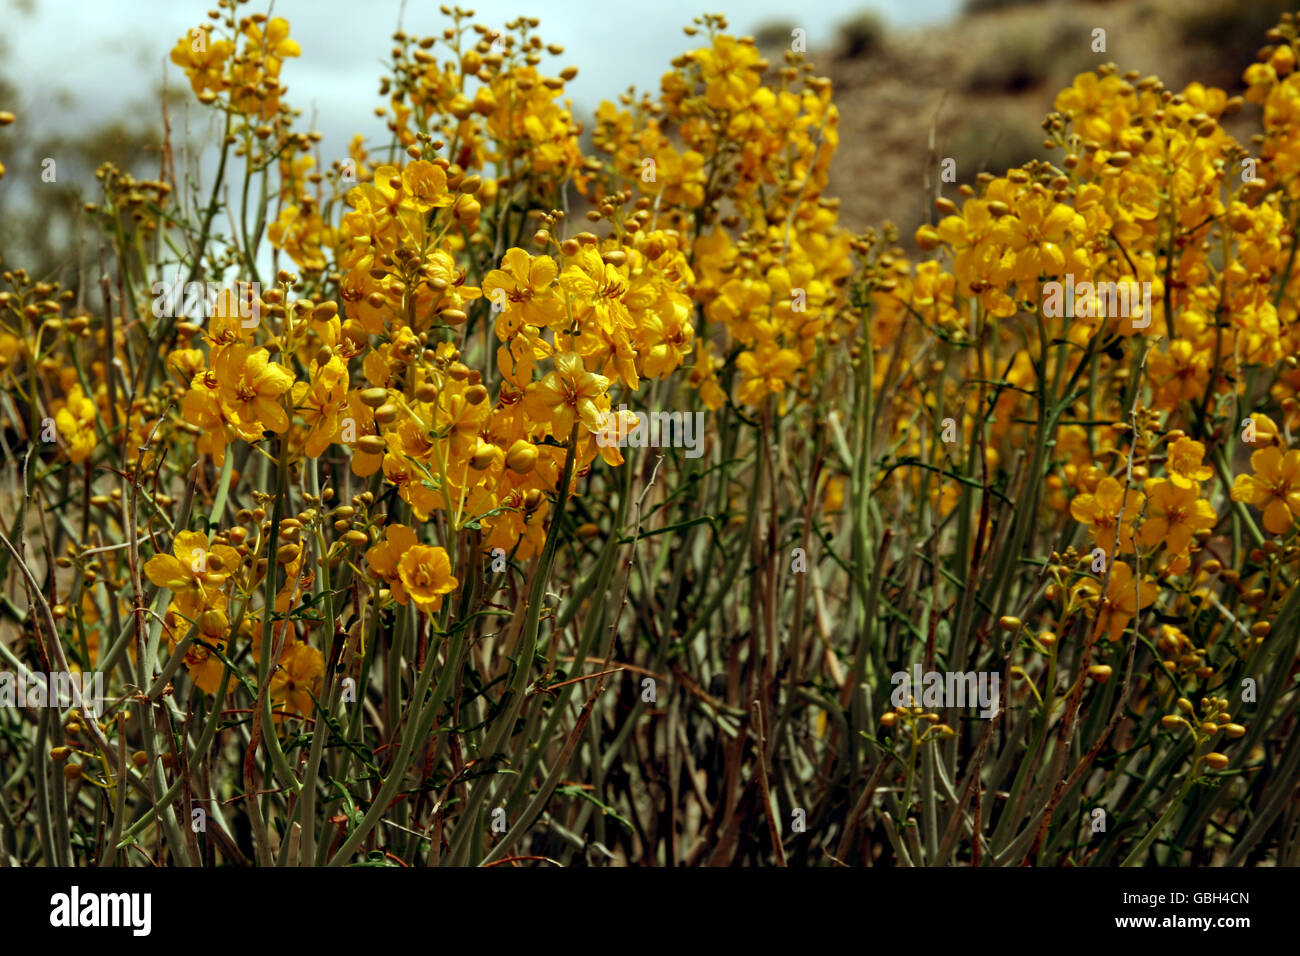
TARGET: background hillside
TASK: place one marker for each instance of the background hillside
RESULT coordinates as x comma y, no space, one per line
984,81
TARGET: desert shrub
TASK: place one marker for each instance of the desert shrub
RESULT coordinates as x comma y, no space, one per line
861,35
372,556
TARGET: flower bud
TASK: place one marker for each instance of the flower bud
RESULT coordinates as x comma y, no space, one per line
483,456
522,456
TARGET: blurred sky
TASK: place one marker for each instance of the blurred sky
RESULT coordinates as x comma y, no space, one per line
109,55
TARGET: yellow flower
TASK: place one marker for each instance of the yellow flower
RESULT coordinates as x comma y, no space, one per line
75,425
193,572
275,44
1185,468
566,393
1174,514
1274,488
203,58
522,293
205,668
296,679
249,387
383,558
426,573
320,403
425,185
201,407
768,370
1124,598
1108,506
